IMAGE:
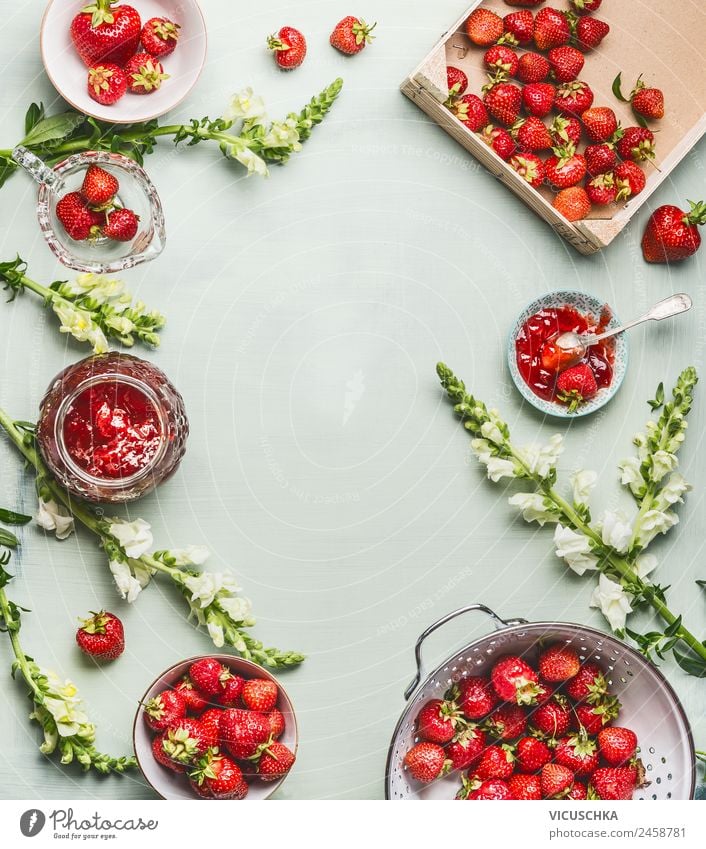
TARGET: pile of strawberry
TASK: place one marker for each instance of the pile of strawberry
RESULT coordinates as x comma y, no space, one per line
92,212
529,734
219,730
543,151
121,54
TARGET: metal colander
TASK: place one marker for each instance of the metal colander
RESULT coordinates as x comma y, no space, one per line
650,706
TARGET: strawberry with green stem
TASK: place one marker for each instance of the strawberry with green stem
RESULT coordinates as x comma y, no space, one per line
107,83
289,48
671,234
101,636
106,32
519,28
426,762
530,167
575,386
457,81
160,37
566,167
351,35
220,775
646,101
145,74
484,27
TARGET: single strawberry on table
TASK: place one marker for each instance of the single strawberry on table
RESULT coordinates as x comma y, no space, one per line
260,694
145,74
575,386
160,37
75,217
289,47
274,761
102,636
426,762
99,186
104,31
484,27
672,235
164,709
533,68
538,98
121,226
107,83
351,35
530,167
573,203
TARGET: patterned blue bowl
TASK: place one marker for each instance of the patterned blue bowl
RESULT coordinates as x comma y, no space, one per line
583,303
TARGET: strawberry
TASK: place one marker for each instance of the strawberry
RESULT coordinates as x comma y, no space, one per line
585,7
532,68
590,32
613,783
457,81
630,179
565,168
600,158
526,788
519,27
578,792
515,681
556,781
602,190
99,186
637,143
600,123
466,748
648,102
164,710
426,762
145,74
617,745
476,697
212,719
219,774
351,35
260,694
589,684
551,29
574,98
532,134
530,167
188,739
553,718
484,27
565,129
496,762
289,47
504,101
578,752
566,63
532,754
194,701
243,731
277,724
576,385
506,722
106,83
501,58
592,718
500,140
491,791
122,225
437,721
538,98
201,790
231,691
671,234
208,675
558,663
242,790
471,112
162,757
160,37
103,32
102,636
275,762
74,217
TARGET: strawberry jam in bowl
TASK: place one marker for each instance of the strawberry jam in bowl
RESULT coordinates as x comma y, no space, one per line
560,382
111,428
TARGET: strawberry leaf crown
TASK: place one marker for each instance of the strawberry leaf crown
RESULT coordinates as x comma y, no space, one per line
101,12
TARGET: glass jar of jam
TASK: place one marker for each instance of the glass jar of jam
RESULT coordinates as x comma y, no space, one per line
111,428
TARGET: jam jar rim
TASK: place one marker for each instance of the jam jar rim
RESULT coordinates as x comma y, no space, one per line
87,383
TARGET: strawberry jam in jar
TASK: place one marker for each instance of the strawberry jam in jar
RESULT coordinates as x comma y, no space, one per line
111,428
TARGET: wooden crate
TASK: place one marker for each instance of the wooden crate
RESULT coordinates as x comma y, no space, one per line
645,38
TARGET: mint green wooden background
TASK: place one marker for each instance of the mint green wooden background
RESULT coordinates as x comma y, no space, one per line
306,314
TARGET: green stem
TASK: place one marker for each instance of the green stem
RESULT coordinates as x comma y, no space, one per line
12,631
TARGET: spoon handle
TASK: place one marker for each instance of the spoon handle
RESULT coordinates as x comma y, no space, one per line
34,166
671,306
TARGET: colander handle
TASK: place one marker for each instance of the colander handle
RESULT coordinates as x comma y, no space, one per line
497,621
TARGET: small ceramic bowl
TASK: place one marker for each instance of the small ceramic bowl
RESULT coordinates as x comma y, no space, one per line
171,785
70,76
585,304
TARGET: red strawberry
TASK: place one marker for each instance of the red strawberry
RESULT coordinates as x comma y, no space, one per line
484,27
600,158
593,717
496,762
277,724
145,74
122,225
565,130
507,722
577,752
578,792
471,112
573,203
538,98
99,186
106,83
102,636
75,218
532,68
525,787
164,709
590,32
501,58
574,98
551,29
671,234
519,27
219,774
559,663
613,783
492,791
504,101
588,685
552,719
465,750
515,681
530,167
426,762
160,37
533,135
565,168
532,754
260,694
231,691
576,385
630,179
457,81
201,790
648,102
208,675
556,781
162,757
637,143
243,731
566,63
194,701
585,7
617,745
351,35
500,140
275,762
289,46
602,190
103,32
188,739
600,123
211,718
476,697
437,721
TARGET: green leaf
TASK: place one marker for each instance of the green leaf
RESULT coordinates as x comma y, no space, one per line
690,664
640,119
702,584
617,82
9,517
34,115
8,539
56,128
658,399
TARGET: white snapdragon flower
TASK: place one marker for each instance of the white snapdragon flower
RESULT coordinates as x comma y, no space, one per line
492,433
582,483
121,324
283,134
662,464
246,106
192,555
497,467
644,566
238,608
542,459
135,538
128,585
672,492
640,442
254,163
64,704
613,602
101,288
54,517
630,476
215,632
79,324
616,530
655,522
534,507
575,549
205,587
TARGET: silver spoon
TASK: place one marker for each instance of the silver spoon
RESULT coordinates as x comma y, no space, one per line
674,305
